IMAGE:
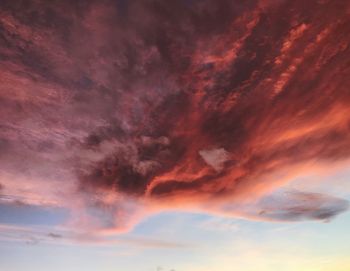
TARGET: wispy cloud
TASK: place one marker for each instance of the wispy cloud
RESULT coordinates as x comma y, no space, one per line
34,235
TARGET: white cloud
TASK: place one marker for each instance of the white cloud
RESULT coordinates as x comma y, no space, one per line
215,157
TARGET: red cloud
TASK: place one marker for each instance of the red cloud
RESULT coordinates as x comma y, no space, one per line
169,104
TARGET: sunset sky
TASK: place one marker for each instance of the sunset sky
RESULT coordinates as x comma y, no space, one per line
180,135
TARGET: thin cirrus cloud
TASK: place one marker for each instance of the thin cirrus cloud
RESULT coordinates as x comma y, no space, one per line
118,111
33,235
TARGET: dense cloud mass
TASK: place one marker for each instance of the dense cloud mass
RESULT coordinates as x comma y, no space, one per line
122,108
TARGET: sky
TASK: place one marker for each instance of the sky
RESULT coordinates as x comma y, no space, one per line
180,135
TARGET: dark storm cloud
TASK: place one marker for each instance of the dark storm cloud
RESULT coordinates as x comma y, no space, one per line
169,100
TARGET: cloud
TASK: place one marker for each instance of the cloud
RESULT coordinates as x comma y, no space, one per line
54,235
118,111
215,157
296,206
35,235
